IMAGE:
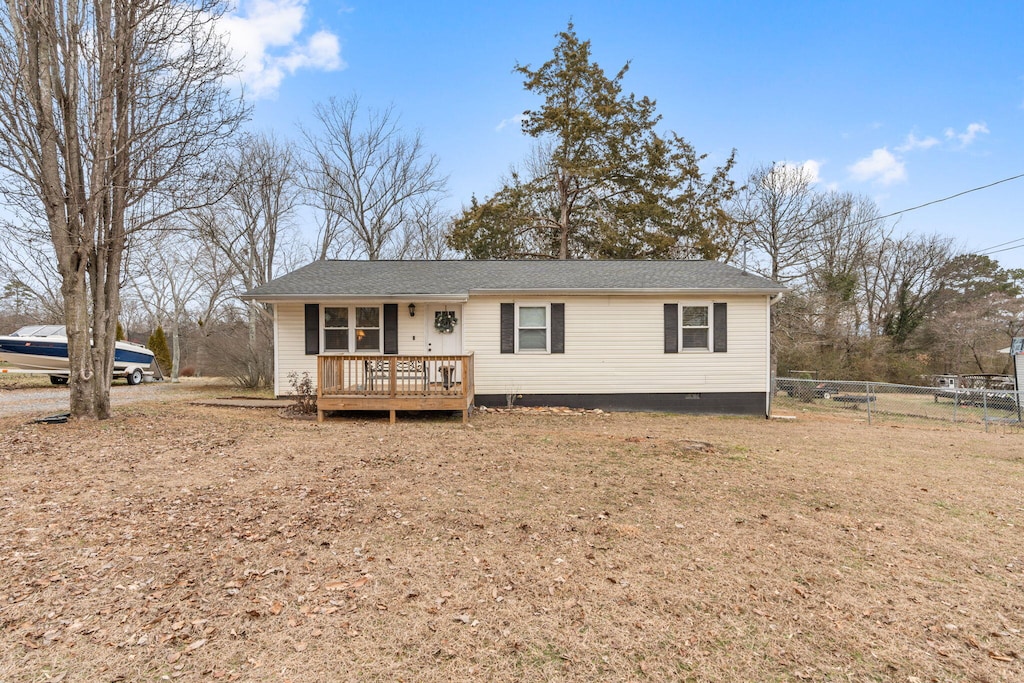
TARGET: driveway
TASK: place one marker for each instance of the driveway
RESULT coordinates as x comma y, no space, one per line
52,400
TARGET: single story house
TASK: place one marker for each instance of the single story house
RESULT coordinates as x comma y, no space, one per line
683,336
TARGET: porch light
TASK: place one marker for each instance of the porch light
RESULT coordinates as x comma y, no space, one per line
412,310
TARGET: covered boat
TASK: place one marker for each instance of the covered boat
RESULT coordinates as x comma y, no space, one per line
44,348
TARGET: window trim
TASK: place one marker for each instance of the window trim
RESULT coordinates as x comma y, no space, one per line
710,327
351,337
547,328
324,329
380,329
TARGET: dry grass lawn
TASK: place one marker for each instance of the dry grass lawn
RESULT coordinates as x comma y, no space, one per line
197,543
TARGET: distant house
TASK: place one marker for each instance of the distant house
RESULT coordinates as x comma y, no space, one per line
682,336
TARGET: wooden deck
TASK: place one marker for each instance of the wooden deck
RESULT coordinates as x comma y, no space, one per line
393,383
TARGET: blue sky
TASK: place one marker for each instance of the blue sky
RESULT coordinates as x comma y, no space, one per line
904,102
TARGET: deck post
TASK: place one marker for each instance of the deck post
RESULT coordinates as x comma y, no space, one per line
392,416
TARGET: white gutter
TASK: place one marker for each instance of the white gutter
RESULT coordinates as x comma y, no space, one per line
344,298
623,291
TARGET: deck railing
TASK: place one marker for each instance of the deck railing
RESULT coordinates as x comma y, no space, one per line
353,382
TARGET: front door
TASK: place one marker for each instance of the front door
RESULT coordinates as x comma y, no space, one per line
444,338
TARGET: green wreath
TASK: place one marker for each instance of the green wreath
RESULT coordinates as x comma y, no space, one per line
444,321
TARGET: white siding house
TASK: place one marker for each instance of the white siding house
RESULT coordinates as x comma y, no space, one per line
687,336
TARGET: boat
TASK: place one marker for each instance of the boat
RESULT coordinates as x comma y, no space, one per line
44,349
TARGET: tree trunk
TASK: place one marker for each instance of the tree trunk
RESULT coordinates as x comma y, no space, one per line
175,349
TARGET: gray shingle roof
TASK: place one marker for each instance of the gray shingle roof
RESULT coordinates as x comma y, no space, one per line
393,279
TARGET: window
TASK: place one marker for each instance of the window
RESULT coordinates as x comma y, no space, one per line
335,328
347,328
695,327
367,328
533,328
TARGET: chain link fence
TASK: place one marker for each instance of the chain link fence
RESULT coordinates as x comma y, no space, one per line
879,402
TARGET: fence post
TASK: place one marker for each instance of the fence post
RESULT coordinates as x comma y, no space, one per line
867,394
956,400
984,405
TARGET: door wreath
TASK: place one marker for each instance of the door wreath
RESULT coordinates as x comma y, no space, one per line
444,321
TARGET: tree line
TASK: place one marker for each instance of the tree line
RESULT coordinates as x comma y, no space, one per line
135,195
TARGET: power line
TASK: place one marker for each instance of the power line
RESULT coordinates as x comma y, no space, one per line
986,253
952,196
1001,244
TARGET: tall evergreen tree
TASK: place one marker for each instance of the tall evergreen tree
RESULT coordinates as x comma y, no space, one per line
158,345
603,182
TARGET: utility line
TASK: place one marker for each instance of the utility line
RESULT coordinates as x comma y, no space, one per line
1001,244
996,251
952,196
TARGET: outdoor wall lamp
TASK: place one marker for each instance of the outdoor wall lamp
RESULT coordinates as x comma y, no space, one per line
412,310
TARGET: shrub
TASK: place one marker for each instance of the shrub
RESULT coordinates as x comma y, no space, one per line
305,392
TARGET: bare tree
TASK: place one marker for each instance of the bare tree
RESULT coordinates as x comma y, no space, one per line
905,283
28,257
425,236
107,112
779,213
369,175
847,231
251,227
179,279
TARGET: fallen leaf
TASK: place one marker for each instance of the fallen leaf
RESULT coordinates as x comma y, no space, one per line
360,582
336,585
300,647
192,647
173,657
998,657
276,607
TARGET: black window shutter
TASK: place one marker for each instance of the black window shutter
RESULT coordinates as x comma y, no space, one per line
508,328
671,328
391,329
557,328
721,328
312,329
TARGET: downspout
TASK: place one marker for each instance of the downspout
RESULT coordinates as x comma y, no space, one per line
277,359
772,300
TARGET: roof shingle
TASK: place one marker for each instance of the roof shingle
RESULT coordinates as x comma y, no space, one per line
393,279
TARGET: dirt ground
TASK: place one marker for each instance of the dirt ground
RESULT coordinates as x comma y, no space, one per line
203,543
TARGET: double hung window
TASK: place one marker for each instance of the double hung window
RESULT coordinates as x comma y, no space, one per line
532,332
367,328
695,327
348,328
335,328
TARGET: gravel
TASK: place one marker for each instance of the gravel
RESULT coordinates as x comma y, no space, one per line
53,400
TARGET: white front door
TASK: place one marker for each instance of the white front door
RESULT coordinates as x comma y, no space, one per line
441,342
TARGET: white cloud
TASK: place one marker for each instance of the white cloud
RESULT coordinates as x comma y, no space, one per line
266,37
972,132
881,167
808,171
913,142
518,120
969,135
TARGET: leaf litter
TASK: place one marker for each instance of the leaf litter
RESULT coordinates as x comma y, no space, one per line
192,543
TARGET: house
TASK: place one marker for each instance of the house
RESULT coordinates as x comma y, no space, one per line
681,336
